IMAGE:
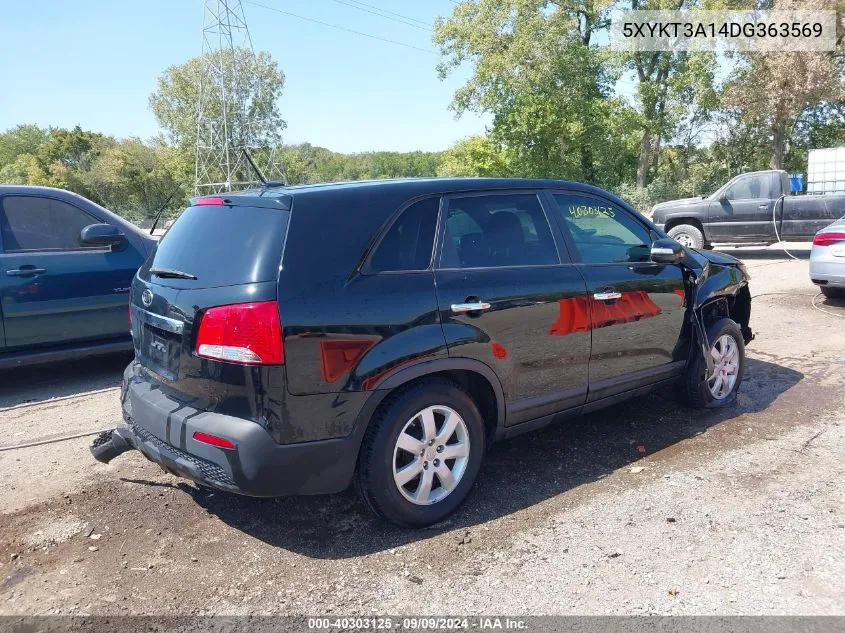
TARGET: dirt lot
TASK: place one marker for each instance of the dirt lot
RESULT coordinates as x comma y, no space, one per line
735,511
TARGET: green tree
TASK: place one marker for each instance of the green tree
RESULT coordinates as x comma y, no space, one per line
675,93
72,148
21,139
537,68
774,90
252,80
475,156
135,179
25,169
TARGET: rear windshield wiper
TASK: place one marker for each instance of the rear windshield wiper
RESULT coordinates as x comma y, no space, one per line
169,273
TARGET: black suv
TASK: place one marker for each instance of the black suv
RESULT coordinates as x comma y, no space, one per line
296,339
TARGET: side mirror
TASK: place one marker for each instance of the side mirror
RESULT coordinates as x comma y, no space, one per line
666,251
100,235
723,198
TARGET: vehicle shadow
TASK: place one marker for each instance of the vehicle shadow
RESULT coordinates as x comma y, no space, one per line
515,475
29,385
832,302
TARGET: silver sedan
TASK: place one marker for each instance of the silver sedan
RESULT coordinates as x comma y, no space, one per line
827,260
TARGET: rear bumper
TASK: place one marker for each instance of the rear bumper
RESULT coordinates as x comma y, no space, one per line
830,273
163,430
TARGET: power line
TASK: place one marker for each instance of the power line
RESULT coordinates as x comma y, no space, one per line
387,15
399,15
340,28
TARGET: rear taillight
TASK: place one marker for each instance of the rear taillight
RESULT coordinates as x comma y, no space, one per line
248,333
828,239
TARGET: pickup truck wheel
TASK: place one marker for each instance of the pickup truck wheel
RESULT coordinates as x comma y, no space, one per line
832,293
421,454
687,235
727,349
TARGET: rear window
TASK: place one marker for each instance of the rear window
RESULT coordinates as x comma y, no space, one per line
409,242
225,246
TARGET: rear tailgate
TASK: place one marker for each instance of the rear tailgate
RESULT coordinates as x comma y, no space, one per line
214,255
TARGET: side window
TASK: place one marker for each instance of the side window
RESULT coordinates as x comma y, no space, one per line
408,243
603,233
492,231
748,188
31,223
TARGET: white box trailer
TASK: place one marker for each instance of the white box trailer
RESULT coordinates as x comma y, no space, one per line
826,170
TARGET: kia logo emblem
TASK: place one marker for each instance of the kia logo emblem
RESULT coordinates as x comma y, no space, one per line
147,297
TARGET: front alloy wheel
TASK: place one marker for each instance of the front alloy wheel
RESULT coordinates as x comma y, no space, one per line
431,454
725,355
700,389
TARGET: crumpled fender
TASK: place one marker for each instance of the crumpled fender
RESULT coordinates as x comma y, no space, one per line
710,282
716,280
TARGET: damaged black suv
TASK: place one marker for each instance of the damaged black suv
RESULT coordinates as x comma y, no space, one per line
295,340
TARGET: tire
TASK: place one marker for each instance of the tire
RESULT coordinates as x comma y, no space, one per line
832,293
694,389
687,235
381,456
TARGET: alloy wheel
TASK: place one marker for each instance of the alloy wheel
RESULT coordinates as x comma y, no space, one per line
725,355
431,455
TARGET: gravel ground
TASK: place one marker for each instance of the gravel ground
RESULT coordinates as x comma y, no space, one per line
643,508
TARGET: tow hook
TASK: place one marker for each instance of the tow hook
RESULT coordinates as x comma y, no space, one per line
109,444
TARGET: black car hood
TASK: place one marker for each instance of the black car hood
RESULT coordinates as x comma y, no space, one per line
714,257
715,273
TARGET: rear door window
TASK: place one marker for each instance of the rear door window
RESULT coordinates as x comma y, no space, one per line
224,245
497,231
409,241
34,223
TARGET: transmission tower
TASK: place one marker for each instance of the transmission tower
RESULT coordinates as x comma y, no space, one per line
227,125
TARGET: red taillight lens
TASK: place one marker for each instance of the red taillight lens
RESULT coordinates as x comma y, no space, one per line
210,202
220,442
828,239
248,333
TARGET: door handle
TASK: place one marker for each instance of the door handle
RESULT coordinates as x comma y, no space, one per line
25,272
607,296
459,308
762,206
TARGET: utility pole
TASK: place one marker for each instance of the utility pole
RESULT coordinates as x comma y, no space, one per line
224,127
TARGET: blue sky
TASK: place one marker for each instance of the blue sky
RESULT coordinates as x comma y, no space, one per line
95,62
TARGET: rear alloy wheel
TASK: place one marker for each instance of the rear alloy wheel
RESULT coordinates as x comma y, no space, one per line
421,453
431,455
687,235
701,390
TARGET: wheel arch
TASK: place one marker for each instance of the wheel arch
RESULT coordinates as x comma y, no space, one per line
671,223
735,306
478,379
